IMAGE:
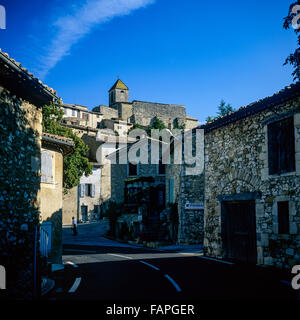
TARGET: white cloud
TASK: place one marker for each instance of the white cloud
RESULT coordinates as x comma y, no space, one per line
71,28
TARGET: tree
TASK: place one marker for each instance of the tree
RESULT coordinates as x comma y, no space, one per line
294,58
75,164
156,124
223,110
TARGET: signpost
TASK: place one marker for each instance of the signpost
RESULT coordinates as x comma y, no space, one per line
194,206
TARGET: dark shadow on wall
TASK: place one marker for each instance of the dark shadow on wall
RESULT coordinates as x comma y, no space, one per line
19,186
55,255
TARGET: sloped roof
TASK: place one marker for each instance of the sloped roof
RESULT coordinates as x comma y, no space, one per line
63,143
286,94
119,85
19,81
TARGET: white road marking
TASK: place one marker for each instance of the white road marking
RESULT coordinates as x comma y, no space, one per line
119,255
75,285
150,265
72,264
190,253
173,283
208,258
75,250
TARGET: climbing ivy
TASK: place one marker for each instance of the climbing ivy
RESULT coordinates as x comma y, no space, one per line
76,164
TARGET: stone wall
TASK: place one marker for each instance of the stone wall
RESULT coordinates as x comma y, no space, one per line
236,162
20,143
119,174
186,188
145,112
107,112
51,204
70,206
191,222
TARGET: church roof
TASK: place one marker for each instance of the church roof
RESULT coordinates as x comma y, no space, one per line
119,85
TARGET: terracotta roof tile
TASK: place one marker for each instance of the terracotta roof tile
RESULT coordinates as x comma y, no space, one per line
286,94
56,137
19,65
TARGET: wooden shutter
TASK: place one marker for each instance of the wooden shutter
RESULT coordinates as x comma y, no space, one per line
82,190
46,167
93,191
273,148
281,146
171,190
283,217
287,146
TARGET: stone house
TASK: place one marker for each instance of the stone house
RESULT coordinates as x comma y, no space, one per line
252,182
54,148
89,191
81,116
21,99
143,113
184,194
139,187
98,128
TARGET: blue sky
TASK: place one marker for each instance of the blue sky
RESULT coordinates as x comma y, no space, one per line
190,52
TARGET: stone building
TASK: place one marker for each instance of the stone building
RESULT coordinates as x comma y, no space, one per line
144,113
80,116
252,182
184,194
98,129
140,188
89,191
54,148
21,99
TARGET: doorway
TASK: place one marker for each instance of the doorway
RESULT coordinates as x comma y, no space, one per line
239,230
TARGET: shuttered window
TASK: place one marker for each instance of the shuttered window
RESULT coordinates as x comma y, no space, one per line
283,217
132,169
46,167
281,146
88,190
82,190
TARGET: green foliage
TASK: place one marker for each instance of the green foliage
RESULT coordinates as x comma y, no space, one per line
75,164
294,58
177,126
156,124
223,110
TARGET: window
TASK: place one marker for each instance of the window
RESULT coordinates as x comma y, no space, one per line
87,190
65,111
161,168
171,190
73,113
132,169
283,217
46,167
85,116
281,146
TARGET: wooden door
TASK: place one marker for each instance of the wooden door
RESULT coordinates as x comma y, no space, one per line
240,230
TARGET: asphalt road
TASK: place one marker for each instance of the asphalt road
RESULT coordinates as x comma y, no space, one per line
100,269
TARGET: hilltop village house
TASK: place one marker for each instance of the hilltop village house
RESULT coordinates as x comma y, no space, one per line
21,98
54,148
140,189
252,182
185,191
104,130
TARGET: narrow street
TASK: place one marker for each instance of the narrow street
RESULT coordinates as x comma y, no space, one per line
100,269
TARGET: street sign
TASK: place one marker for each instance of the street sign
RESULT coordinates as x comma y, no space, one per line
194,206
